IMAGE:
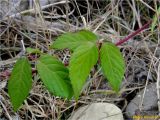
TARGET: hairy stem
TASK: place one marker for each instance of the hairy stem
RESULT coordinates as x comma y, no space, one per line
134,33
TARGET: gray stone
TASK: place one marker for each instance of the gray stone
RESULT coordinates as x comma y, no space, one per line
149,101
9,7
98,111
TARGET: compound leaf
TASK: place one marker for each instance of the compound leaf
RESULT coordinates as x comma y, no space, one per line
20,82
82,61
113,64
54,76
73,40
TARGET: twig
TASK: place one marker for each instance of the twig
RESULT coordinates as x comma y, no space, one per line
158,70
30,109
5,109
67,15
9,61
158,87
23,47
10,48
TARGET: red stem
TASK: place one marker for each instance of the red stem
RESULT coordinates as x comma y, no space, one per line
134,33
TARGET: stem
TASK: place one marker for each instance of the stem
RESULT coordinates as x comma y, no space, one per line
134,33
99,44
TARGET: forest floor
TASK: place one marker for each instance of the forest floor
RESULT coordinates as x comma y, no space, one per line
39,24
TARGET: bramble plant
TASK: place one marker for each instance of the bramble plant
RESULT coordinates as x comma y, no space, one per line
66,82
69,81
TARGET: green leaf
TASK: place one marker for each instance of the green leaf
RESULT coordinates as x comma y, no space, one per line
54,76
73,40
20,82
113,64
31,50
82,61
154,22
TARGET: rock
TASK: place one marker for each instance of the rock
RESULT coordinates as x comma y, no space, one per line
149,101
32,23
16,117
9,7
98,111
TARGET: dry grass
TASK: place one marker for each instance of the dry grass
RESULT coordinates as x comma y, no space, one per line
112,20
